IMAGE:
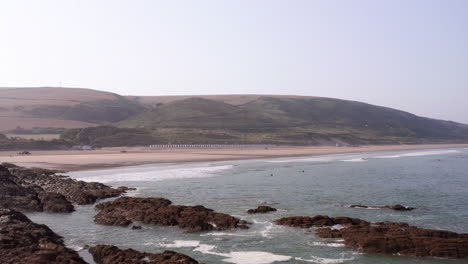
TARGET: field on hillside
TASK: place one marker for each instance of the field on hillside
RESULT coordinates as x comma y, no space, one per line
35,137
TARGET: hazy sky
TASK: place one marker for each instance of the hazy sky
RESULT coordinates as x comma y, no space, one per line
408,54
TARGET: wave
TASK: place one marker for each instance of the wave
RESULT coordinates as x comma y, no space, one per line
302,160
150,173
326,244
355,160
314,259
268,228
237,257
419,154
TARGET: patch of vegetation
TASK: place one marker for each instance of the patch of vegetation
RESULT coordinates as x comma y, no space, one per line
102,111
108,136
31,144
298,121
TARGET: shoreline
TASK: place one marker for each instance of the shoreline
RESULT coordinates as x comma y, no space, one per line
69,160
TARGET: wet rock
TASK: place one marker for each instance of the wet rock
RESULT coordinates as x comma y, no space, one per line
55,202
159,211
136,227
78,192
396,207
105,254
385,237
25,242
30,197
318,220
261,210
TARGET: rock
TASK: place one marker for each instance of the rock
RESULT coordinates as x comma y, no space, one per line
29,198
318,220
55,202
261,210
386,237
25,242
136,227
78,192
359,206
396,207
105,254
399,207
159,211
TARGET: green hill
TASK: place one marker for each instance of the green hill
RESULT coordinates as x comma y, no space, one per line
310,120
144,120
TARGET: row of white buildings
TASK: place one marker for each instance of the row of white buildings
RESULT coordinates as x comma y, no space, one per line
190,146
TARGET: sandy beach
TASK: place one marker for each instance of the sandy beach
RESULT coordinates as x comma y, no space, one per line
113,157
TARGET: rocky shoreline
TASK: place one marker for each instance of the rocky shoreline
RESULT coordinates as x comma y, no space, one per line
22,241
159,211
385,237
396,207
38,190
105,254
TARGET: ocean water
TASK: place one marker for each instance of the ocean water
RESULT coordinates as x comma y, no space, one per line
434,181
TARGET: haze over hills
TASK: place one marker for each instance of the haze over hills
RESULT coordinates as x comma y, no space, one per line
218,119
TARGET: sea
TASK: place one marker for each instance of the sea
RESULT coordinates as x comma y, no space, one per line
433,181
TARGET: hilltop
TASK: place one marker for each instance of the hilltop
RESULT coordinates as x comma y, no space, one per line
297,120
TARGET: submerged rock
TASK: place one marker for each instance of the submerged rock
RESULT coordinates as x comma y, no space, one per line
105,254
396,207
385,237
75,191
25,242
30,197
159,211
262,209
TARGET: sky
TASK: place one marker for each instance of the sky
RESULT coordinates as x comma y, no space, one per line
406,54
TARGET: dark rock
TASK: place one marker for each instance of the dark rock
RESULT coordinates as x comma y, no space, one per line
25,242
386,238
261,210
318,220
55,202
159,211
29,197
78,192
396,207
399,207
136,227
105,254
13,195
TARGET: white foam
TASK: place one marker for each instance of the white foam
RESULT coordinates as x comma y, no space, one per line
228,234
255,257
419,153
237,257
150,173
302,160
181,243
314,259
327,244
355,160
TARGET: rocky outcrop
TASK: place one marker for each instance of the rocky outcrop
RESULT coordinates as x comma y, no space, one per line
396,207
30,197
25,242
385,237
78,192
262,209
105,254
159,211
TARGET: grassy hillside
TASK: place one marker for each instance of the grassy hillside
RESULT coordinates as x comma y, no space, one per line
215,119
311,120
62,108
